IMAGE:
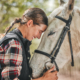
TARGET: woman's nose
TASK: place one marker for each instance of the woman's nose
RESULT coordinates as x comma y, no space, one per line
39,36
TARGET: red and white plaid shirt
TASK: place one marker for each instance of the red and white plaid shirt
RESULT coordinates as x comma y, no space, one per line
11,60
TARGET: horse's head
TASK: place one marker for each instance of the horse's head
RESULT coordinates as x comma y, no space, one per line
48,42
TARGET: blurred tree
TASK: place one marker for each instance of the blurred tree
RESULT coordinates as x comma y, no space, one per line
56,2
9,9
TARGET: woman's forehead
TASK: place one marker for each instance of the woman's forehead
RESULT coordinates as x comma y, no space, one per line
43,27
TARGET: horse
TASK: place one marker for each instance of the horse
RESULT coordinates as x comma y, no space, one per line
40,62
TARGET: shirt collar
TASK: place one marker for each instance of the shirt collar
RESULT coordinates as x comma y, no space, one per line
25,41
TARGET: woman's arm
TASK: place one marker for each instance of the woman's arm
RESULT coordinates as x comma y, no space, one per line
12,59
49,75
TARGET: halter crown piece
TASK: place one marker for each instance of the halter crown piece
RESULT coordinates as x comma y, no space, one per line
59,42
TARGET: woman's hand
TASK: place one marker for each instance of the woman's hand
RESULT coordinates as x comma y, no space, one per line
49,75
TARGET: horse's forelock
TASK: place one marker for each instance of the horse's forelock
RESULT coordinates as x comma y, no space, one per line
61,2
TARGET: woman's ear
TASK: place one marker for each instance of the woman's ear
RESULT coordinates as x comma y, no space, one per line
30,23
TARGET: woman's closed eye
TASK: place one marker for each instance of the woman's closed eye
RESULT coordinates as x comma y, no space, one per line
41,31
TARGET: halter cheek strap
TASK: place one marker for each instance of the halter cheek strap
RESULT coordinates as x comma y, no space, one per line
67,29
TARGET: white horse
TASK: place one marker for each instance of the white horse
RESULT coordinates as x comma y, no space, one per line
47,43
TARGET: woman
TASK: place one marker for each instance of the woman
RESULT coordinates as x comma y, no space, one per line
15,59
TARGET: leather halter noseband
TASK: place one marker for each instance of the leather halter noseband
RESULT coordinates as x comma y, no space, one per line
59,42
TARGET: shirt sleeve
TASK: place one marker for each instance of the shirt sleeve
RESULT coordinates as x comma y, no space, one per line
13,60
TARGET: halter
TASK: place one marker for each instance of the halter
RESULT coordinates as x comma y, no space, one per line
59,42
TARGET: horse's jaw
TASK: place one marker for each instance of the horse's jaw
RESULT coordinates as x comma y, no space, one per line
39,67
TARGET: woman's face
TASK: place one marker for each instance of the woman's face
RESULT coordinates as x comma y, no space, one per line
35,31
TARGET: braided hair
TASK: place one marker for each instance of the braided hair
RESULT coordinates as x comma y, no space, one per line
18,20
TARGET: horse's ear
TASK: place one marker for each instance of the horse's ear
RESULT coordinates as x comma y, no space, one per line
71,4
62,2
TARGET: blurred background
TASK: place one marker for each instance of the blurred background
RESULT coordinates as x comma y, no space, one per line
11,9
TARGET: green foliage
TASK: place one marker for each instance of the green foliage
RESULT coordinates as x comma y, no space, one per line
9,9
34,46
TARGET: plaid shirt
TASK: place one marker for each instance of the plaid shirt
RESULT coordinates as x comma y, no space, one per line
11,60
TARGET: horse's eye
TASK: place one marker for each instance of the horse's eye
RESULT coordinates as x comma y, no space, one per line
51,33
